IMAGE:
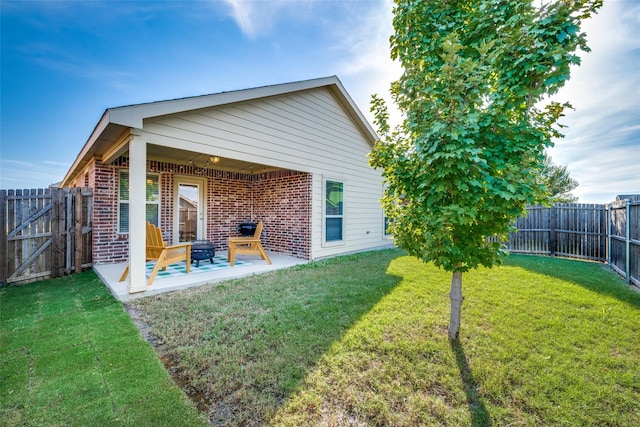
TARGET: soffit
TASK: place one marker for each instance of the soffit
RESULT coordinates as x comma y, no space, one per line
200,160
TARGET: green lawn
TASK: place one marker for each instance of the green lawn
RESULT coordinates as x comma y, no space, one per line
362,340
356,340
71,356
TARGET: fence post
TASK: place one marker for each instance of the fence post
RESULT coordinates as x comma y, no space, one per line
602,231
68,231
608,231
627,240
553,225
78,230
57,232
4,256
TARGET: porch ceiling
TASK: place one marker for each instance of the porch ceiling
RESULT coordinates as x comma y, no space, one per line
184,157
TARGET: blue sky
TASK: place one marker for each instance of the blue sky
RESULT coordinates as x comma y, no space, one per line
64,63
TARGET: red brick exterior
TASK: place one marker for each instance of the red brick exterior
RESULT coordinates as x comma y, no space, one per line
283,202
108,244
281,199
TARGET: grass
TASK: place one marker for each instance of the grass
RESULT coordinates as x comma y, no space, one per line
356,340
71,356
361,340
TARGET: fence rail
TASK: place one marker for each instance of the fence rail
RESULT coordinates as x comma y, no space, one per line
47,233
595,232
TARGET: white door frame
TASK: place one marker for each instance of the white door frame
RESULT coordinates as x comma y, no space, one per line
201,184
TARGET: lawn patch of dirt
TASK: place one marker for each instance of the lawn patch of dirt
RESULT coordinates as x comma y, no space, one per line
170,363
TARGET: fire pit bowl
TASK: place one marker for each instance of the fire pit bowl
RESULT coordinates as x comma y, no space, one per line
202,250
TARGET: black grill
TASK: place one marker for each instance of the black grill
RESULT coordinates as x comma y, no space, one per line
247,228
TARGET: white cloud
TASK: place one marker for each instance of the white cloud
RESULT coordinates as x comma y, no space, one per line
594,189
602,143
366,65
258,18
359,34
241,12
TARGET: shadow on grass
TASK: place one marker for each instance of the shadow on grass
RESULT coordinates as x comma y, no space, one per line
589,275
251,342
478,411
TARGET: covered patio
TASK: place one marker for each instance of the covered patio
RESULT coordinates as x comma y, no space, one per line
110,274
291,156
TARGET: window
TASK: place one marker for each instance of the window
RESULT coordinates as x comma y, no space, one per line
334,211
387,222
153,200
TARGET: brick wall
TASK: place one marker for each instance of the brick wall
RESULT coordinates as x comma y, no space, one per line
108,245
283,202
166,206
229,203
281,199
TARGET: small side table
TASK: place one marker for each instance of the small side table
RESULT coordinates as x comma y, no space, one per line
201,250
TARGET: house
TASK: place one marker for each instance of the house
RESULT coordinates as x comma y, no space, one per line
291,155
629,197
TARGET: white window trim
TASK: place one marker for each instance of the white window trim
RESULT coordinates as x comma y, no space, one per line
333,243
384,226
120,201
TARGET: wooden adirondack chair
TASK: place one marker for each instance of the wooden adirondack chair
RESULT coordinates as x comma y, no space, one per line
247,246
159,251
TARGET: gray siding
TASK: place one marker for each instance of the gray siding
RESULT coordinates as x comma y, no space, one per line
307,131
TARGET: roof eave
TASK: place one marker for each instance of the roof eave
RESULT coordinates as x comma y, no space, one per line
355,113
133,116
81,160
109,121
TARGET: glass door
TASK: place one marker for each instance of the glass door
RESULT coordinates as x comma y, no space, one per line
189,212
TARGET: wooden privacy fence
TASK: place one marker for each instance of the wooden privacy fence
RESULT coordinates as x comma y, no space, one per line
47,233
571,230
604,233
624,240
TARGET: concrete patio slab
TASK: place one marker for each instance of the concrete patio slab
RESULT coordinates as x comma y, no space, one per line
110,273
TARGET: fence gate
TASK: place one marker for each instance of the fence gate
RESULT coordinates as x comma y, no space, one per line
47,233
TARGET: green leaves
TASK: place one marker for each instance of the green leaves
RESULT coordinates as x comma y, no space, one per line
464,162
557,182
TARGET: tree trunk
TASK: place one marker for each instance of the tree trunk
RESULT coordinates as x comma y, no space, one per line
456,305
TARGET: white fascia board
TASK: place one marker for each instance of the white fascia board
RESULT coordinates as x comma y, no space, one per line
162,108
88,146
131,116
134,115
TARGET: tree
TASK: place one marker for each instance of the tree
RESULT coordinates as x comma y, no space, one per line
557,182
465,160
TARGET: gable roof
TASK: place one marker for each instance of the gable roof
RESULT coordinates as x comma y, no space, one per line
630,197
115,121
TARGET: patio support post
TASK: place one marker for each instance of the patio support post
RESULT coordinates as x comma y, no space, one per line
137,212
